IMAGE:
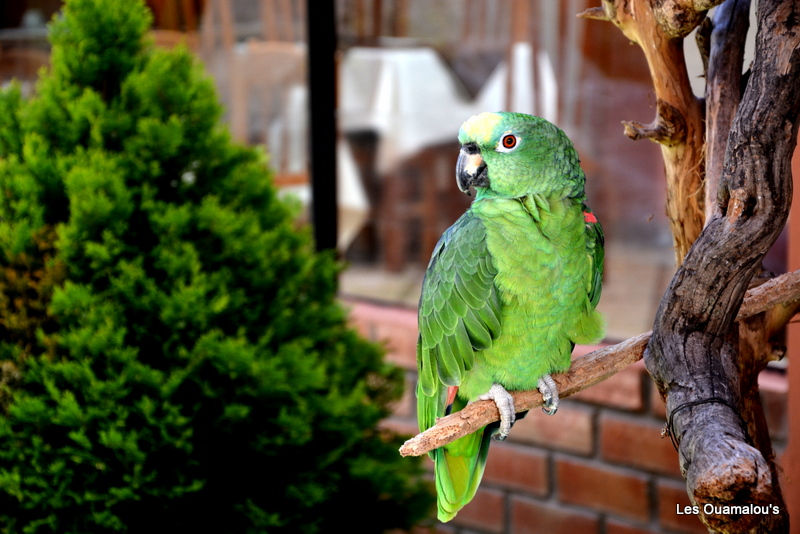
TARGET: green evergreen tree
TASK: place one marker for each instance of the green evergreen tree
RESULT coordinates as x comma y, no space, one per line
172,356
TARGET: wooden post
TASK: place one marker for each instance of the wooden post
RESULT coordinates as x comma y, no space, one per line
321,23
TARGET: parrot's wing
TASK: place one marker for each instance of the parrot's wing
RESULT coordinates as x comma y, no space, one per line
459,313
594,248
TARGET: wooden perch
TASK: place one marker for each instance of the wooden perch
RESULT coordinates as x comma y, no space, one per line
585,371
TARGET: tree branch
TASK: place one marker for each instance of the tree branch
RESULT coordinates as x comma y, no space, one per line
669,128
694,356
723,89
658,27
595,13
586,371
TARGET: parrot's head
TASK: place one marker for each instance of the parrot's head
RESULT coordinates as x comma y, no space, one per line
513,155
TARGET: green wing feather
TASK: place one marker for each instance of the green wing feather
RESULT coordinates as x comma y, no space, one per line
459,315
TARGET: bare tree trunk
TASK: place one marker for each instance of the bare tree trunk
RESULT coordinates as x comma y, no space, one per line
694,355
705,366
659,27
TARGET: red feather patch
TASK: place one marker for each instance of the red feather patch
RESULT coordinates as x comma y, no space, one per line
589,217
451,395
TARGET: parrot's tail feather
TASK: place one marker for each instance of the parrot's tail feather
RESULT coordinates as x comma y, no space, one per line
459,469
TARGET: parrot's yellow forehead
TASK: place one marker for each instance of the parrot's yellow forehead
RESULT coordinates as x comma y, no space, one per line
480,128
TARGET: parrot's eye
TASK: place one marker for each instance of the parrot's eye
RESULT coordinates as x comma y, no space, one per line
508,142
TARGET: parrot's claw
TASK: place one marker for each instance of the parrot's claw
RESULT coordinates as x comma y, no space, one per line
505,405
547,387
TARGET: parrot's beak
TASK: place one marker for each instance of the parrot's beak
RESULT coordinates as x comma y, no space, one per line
470,168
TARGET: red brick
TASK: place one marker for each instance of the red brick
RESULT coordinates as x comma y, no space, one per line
485,512
637,443
529,516
517,468
570,429
614,526
398,330
358,316
623,390
606,489
774,388
657,405
395,327
672,497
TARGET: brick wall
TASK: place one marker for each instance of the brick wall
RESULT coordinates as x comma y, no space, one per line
598,466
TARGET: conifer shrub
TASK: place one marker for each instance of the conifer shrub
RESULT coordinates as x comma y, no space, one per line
172,356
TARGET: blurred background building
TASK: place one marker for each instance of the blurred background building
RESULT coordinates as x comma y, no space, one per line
409,73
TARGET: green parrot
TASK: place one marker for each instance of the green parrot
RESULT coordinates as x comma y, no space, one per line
511,287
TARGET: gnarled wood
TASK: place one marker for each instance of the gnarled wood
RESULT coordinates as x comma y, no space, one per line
694,354
726,40
723,92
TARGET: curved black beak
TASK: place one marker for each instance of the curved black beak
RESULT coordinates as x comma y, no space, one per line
470,168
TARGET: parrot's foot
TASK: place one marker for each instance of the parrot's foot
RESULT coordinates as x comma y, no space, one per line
547,387
505,405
